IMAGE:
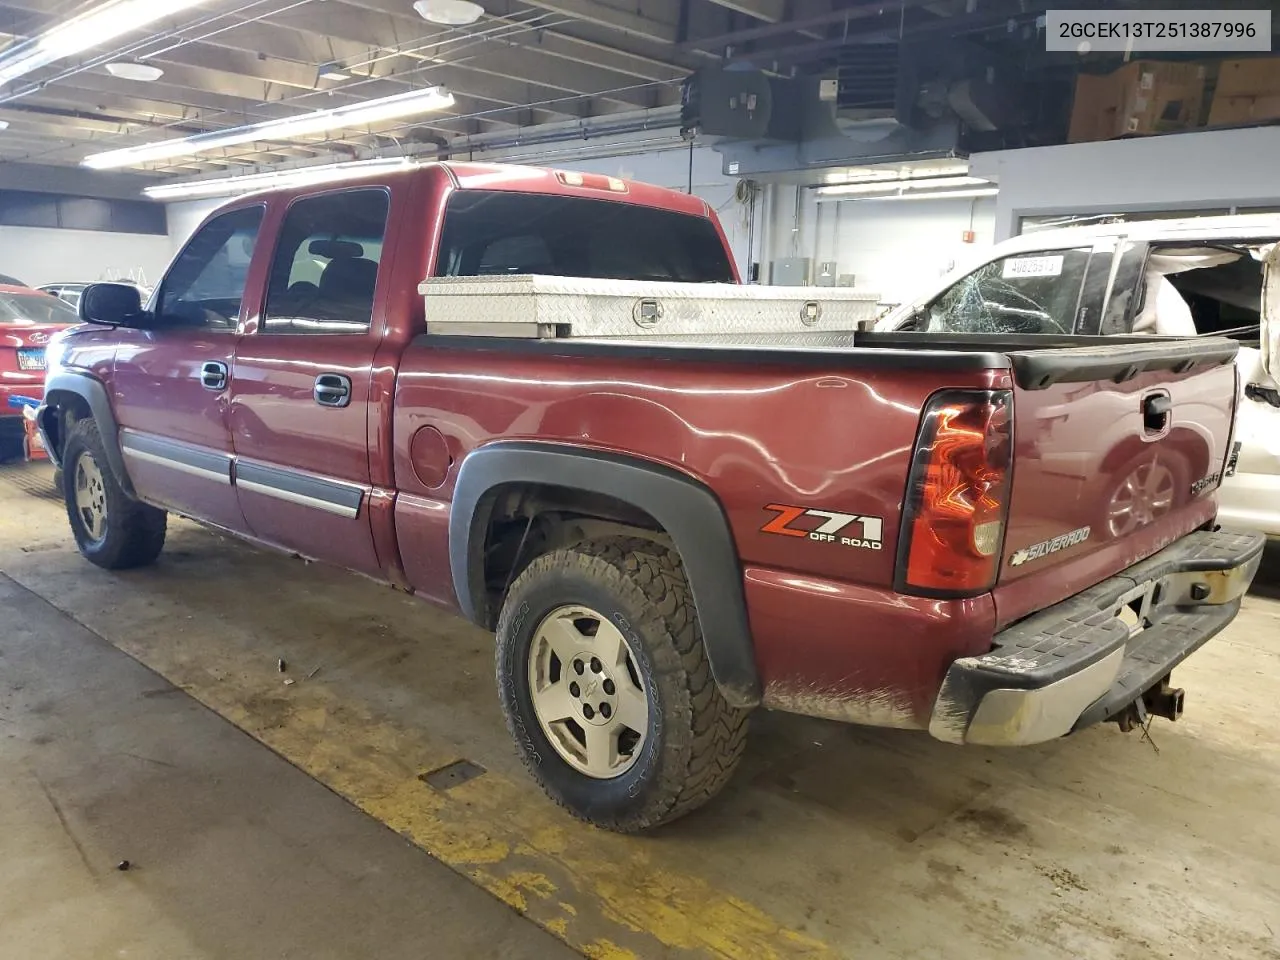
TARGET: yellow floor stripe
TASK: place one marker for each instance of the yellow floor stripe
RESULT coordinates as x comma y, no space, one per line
602,894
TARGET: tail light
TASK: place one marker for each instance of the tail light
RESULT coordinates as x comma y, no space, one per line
957,495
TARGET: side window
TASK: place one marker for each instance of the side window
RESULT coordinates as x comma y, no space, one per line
1024,293
1127,290
205,285
325,268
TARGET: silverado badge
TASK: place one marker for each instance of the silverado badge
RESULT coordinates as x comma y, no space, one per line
1046,547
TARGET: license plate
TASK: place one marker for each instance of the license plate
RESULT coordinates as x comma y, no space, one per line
31,358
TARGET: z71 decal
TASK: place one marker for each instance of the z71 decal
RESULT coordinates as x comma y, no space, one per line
846,529
1046,547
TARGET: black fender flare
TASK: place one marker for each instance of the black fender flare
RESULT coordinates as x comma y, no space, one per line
687,510
92,391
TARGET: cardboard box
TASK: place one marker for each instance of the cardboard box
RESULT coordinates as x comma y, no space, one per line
1248,92
1156,97
1142,97
1093,110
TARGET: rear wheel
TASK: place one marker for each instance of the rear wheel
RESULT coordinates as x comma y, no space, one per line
607,689
111,529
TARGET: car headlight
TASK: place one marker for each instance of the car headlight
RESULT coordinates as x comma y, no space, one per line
54,352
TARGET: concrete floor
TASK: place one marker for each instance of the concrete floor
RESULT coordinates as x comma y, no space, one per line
832,841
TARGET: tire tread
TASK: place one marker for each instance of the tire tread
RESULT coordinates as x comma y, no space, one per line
706,735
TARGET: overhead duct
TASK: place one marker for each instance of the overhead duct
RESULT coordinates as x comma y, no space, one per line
888,101
735,104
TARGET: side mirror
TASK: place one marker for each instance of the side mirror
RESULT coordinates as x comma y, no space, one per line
111,304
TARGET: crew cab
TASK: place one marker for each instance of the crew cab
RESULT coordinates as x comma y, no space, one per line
664,531
1204,276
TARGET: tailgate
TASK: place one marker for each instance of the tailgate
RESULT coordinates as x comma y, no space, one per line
1118,451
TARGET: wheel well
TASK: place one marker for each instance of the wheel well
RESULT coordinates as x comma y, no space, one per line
69,408
527,520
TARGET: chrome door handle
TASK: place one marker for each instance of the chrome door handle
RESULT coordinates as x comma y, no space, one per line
332,390
213,375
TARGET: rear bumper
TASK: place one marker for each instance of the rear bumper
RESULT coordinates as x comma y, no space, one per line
1077,663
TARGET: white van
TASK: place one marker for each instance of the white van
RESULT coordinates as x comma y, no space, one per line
1208,275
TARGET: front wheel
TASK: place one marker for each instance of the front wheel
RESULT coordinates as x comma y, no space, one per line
607,689
111,530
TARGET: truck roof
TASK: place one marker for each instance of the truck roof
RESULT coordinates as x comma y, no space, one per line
1261,226
467,175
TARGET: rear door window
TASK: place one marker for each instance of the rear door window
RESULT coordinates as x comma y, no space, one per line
1035,292
325,270
499,233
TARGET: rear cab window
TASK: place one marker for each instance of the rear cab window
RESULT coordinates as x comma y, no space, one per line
500,233
1032,292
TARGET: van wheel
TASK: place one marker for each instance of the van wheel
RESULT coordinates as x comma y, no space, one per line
111,530
607,689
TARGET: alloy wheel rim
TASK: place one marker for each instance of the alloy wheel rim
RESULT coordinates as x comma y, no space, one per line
1144,496
587,692
91,497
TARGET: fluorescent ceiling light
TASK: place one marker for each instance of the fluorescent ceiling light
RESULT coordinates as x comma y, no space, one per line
295,177
93,28
319,121
4,124
894,174
893,186
333,71
449,13
911,195
127,70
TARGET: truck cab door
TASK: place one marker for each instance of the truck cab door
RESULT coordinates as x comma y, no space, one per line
172,376
303,378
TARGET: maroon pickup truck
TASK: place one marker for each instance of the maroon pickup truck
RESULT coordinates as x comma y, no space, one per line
882,528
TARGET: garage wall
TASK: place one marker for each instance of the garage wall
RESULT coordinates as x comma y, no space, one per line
1220,168
39,255
889,246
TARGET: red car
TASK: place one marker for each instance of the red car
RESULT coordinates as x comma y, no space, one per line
664,531
28,319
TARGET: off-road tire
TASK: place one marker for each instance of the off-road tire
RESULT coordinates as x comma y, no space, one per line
134,533
695,738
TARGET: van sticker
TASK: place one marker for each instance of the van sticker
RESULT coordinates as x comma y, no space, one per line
845,529
1045,547
1017,267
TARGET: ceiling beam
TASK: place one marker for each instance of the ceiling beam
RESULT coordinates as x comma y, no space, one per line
886,14
529,56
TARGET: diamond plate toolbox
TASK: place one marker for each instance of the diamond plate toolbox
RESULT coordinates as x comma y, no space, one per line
534,306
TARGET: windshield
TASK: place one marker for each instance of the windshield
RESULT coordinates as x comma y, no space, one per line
1033,292
31,308
498,233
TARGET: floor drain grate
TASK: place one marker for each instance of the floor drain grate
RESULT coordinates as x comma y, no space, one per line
452,774
35,479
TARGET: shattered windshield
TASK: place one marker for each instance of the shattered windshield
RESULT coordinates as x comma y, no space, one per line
1024,293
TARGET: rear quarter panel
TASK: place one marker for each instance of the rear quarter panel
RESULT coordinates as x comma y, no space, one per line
830,636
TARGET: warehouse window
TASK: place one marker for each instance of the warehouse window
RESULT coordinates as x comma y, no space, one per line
497,233
325,268
1033,292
